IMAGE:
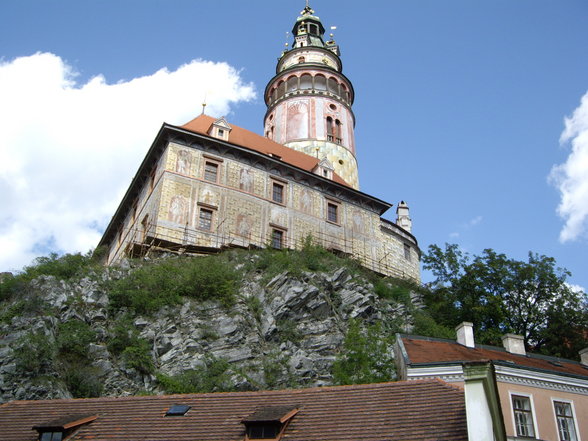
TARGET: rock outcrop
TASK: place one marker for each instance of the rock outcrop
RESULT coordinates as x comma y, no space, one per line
285,333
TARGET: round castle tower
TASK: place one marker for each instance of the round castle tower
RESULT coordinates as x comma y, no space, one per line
309,100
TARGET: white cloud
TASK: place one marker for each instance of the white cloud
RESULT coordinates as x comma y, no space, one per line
571,177
68,151
473,222
576,288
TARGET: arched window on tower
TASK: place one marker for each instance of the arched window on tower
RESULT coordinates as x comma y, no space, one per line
338,132
292,84
313,29
281,89
301,59
320,82
306,82
344,92
333,86
330,129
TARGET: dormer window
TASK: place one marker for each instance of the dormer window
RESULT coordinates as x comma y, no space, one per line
59,429
268,422
220,129
51,436
324,168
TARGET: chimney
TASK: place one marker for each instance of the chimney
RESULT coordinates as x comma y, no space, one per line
584,356
515,344
465,334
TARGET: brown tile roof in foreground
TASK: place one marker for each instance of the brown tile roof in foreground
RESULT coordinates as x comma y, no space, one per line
430,351
244,138
408,410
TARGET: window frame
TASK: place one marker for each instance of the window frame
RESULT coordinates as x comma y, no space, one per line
407,252
282,234
209,220
278,183
570,403
54,435
206,171
529,397
338,211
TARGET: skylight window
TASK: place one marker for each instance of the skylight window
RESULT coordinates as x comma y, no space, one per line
177,410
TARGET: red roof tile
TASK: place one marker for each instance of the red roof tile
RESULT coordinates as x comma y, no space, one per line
423,410
253,141
430,351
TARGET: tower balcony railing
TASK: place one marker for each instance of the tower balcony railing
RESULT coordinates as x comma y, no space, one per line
335,139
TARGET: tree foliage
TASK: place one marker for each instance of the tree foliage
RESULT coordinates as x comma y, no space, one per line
502,295
365,356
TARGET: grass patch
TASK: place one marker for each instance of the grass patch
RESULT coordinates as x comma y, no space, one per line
163,283
65,267
214,376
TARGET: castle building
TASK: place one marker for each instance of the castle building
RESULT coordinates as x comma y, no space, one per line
210,185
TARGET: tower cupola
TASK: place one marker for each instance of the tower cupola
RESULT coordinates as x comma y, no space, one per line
309,99
308,29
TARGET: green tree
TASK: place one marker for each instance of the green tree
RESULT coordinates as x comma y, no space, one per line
365,356
499,295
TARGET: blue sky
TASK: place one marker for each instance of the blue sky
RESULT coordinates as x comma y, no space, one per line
460,106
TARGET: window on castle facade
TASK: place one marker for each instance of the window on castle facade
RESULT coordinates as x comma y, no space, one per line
330,129
333,212
407,252
523,416
565,421
278,193
277,239
211,171
205,219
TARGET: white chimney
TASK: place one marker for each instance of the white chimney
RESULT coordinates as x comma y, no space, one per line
584,356
465,334
515,344
403,216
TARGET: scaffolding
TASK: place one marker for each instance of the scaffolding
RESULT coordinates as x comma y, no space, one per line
152,239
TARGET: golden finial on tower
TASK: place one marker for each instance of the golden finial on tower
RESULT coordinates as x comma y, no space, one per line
203,104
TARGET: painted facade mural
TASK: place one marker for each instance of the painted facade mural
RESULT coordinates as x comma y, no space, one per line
178,209
246,180
183,162
298,120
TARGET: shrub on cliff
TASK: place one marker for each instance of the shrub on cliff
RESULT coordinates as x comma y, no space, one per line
165,282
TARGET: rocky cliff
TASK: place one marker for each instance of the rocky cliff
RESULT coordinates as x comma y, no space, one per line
63,338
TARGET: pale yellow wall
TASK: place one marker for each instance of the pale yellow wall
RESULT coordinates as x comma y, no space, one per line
244,214
542,400
147,204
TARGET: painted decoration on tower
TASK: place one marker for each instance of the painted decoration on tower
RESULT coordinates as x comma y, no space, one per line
297,120
183,162
178,207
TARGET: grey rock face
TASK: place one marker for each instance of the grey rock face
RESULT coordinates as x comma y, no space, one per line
290,339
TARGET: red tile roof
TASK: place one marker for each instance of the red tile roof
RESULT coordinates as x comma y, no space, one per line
423,350
415,410
253,141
